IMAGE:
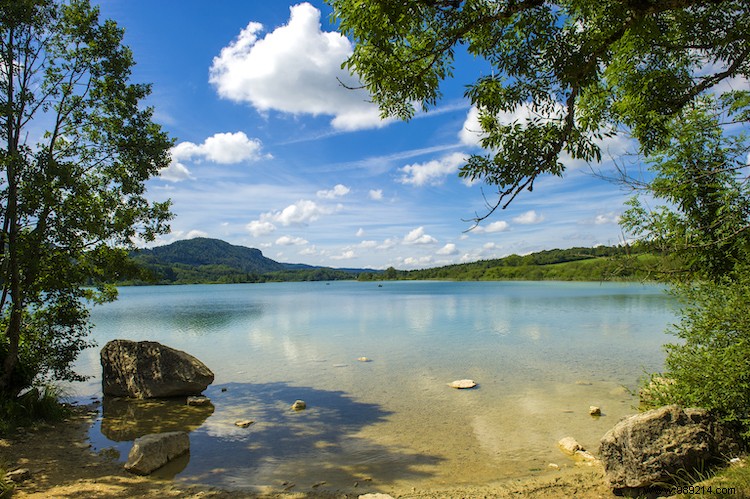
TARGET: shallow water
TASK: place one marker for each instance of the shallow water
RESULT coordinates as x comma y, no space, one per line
541,352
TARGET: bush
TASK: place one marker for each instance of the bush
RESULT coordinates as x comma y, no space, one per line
30,407
710,367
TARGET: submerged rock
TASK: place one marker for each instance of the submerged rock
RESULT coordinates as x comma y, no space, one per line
299,405
198,401
462,384
151,452
244,423
147,369
595,411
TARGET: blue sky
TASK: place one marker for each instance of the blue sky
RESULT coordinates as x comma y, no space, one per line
273,153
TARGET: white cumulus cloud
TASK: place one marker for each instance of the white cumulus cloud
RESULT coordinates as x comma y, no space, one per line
223,148
302,212
338,190
448,249
291,241
258,228
529,218
499,226
297,59
377,194
432,172
418,236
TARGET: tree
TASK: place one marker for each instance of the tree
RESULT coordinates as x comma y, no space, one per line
576,70
77,148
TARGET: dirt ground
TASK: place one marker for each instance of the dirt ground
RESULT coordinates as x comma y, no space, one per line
62,465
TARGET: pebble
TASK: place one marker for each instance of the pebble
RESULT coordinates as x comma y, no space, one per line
364,359
463,383
595,411
244,423
299,405
198,401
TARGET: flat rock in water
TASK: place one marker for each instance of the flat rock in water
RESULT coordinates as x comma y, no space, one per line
151,452
463,384
243,423
299,405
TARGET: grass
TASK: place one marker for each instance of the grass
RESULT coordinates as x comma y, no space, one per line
31,407
732,482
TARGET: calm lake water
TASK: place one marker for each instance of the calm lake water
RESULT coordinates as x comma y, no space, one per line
542,353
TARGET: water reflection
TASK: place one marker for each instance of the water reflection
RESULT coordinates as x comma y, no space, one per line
321,443
126,419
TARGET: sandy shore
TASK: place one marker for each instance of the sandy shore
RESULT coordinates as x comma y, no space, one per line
62,465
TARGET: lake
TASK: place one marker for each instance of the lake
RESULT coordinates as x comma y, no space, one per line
541,353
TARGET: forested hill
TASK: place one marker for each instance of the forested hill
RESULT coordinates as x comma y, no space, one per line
203,260
572,264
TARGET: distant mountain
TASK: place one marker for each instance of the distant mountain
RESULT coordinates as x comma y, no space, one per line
204,260
202,251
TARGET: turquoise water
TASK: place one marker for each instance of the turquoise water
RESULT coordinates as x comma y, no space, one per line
541,352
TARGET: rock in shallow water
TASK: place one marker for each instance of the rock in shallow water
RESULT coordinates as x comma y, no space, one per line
147,369
299,405
151,452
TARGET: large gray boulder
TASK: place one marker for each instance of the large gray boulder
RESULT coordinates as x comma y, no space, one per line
147,369
650,449
151,452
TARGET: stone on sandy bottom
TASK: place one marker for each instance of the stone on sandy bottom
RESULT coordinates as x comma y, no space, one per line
151,452
198,401
569,445
652,448
147,369
243,423
299,405
595,411
463,384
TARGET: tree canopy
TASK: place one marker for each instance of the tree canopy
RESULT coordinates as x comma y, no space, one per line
576,71
76,146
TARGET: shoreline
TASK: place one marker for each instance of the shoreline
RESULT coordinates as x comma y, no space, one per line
62,464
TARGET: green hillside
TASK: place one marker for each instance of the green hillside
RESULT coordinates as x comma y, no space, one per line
573,264
203,260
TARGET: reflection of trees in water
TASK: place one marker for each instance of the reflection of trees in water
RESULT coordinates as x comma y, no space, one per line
320,443
126,419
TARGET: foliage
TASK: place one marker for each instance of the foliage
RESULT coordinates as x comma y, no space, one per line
30,407
77,147
710,366
204,261
561,75
573,264
705,224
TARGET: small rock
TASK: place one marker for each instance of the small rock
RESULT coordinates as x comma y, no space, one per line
553,466
198,401
223,390
299,405
584,455
244,423
463,384
153,451
595,411
364,359
19,475
569,445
